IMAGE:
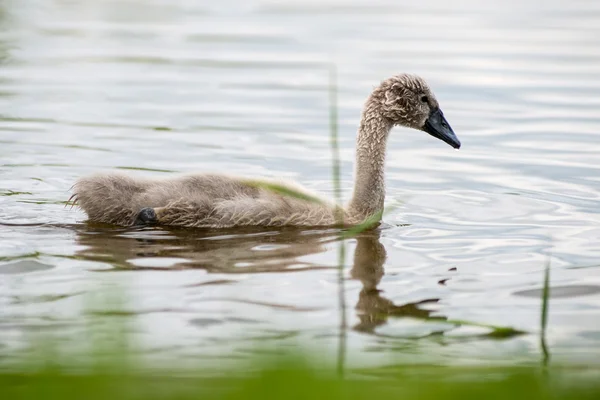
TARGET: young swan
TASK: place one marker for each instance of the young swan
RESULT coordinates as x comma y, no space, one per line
219,201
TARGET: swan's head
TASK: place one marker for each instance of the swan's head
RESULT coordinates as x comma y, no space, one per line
407,100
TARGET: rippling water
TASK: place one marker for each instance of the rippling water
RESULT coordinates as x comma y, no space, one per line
158,88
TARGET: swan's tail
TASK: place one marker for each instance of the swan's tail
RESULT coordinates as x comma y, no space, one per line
109,198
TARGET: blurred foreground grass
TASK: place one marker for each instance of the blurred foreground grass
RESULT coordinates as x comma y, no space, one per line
292,378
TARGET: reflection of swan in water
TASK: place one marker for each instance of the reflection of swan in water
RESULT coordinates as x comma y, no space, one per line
251,251
217,251
373,309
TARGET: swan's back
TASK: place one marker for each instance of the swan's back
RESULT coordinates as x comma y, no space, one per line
208,200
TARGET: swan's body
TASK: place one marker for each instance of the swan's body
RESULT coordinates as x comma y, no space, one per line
220,201
201,200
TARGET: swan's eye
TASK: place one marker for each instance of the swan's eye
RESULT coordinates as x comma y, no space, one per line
425,99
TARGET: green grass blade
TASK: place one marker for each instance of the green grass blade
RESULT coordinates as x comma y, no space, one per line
368,223
544,316
335,151
499,332
283,190
339,217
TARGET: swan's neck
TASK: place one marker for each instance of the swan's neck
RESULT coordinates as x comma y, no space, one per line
369,180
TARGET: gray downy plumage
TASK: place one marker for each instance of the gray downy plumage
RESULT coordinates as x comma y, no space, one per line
221,201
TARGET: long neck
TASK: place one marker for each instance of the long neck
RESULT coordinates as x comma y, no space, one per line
369,180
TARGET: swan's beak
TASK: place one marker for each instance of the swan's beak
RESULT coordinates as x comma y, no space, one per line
437,126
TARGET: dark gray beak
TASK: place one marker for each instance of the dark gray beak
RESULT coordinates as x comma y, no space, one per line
437,126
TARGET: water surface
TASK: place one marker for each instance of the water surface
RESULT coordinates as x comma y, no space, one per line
156,88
